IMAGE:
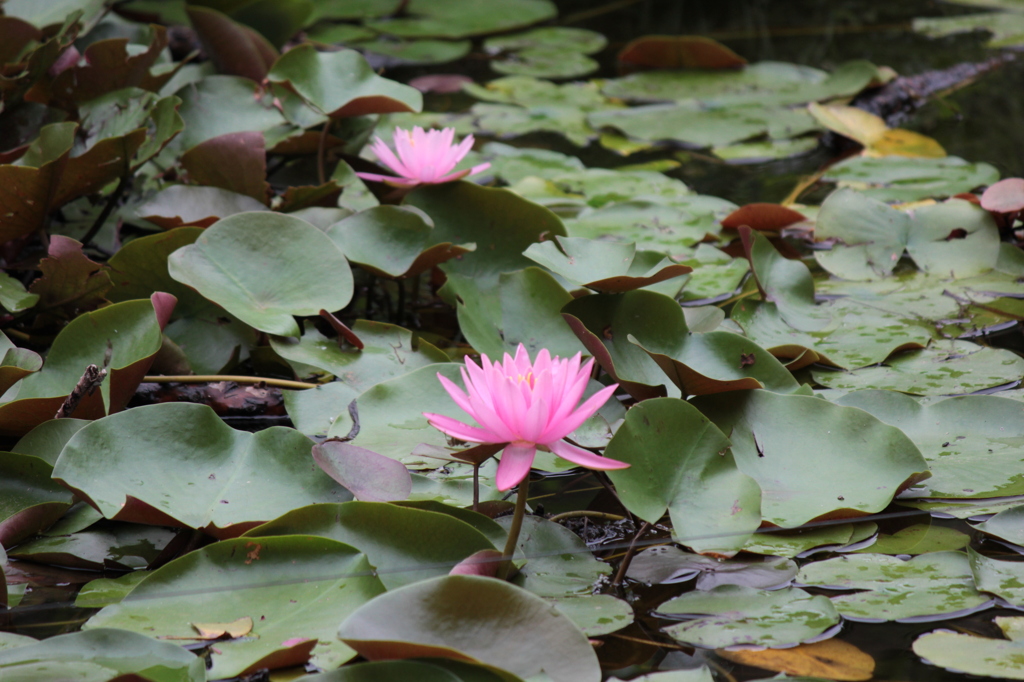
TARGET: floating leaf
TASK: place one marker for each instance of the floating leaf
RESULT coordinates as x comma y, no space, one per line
101,547
16,363
29,501
416,52
521,307
808,455
125,335
972,654
970,442
779,542
921,538
236,162
955,239
341,84
251,110
936,585
558,562
869,236
1005,196
946,369
832,659
120,653
1005,525
101,592
295,586
595,614
388,352
369,476
668,564
464,18
730,615
235,49
500,223
609,268
392,242
452,617
680,463
894,178
230,480
264,268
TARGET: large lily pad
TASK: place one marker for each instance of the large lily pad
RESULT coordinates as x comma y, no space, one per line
810,456
125,335
933,586
558,562
500,223
901,178
117,652
29,501
403,544
731,615
971,443
388,352
1001,578
107,546
941,369
454,617
974,655
670,227
392,242
264,268
294,587
681,463
1007,525
606,267
224,482
341,83
464,18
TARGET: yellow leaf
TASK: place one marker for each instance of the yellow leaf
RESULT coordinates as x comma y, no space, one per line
832,659
900,142
232,630
856,124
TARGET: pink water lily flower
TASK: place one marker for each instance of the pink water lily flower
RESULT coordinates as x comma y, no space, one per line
527,405
425,157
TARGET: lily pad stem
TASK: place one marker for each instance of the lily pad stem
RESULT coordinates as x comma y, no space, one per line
211,378
626,560
513,532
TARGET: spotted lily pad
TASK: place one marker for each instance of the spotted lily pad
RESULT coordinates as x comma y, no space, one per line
667,564
932,586
1002,578
605,267
464,18
1007,525
896,178
942,369
731,615
974,655
780,542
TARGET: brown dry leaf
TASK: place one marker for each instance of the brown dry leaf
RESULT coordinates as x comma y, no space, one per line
232,630
832,659
678,52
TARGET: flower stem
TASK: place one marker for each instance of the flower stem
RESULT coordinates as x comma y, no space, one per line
513,532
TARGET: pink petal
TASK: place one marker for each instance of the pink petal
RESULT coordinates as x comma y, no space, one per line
514,465
584,458
458,175
387,157
479,410
457,429
564,427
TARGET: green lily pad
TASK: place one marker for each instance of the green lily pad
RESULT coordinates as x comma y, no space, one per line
681,463
180,205
602,266
122,653
604,323
506,120
715,274
314,410
668,564
809,455
339,34
16,363
520,307
403,544
124,546
694,124
785,283
10,640
941,369
731,615
546,62
341,84
392,242
1002,578
464,18
512,164
902,178
13,296
971,654
784,543
558,562
931,586
264,268
500,223
955,238
229,481
101,592
921,538
124,335
669,227
30,501
532,92
595,614
453,617
769,83
388,351
250,110
765,150
436,670
291,587
869,235
566,38
1006,28
1007,525
48,439
417,52
972,443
